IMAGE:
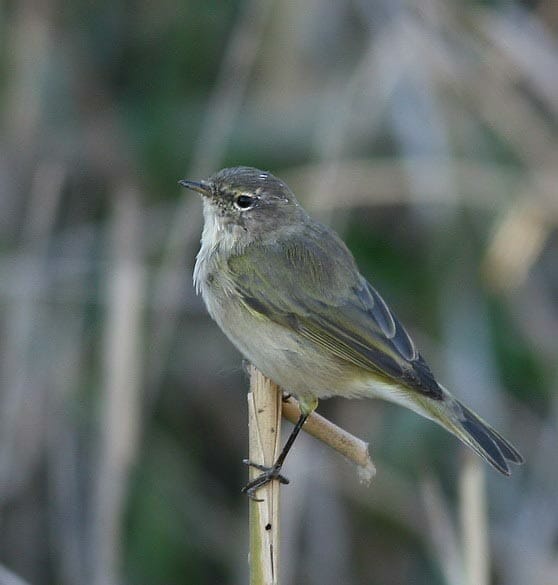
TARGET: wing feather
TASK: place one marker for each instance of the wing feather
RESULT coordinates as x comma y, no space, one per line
330,303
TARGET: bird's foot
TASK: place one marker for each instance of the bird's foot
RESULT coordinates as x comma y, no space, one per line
268,474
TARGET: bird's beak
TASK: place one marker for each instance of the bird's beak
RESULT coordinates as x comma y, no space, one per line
199,186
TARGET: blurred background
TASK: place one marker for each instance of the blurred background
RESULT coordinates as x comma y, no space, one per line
424,132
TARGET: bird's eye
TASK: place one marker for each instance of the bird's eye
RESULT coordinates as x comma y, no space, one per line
244,201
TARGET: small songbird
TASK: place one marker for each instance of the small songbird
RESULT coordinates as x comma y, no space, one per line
287,292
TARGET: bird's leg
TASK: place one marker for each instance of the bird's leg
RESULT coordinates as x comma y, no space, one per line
270,473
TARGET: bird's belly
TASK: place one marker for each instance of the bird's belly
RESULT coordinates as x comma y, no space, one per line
296,364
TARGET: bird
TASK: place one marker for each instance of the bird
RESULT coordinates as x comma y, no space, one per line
287,292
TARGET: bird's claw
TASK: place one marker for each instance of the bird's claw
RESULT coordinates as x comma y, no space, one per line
268,475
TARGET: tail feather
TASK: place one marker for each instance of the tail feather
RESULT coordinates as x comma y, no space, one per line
509,452
475,433
483,441
488,443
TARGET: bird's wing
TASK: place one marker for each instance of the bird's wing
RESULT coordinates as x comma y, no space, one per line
310,284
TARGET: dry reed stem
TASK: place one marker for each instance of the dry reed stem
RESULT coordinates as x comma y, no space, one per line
516,245
351,447
480,186
264,412
9,578
120,409
22,395
442,532
474,523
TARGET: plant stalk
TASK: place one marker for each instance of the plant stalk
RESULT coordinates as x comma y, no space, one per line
264,413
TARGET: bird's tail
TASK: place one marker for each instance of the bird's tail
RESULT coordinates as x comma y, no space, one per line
474,432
